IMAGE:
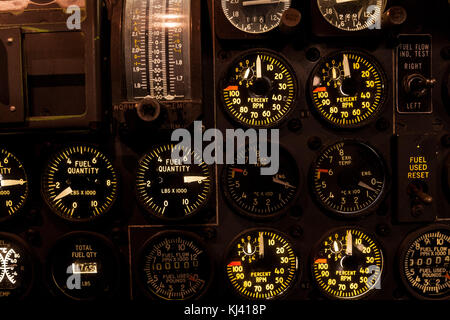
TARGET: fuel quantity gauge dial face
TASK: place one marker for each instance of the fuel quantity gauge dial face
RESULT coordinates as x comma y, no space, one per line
347,264
349,178
172,189
261,264
13,185
425,262
255,16
80,184
348,89
259,90
174,265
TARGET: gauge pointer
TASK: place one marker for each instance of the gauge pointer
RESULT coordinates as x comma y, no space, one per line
344,1
349,244
362,184
261,245
287,184
194,179
64,193
347,73
258,68
247,73
258,2
10,183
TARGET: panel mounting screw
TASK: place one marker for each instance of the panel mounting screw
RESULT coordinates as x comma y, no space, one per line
10,40
12,108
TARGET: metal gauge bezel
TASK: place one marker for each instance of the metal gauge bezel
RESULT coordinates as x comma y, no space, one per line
31,261
54,210
139,261
362,212
297,273
53,285
381,105
317,246
151,214
224,79
249,215
27,195
401,255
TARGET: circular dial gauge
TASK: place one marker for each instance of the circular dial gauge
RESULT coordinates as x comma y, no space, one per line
174,265
352,15
261,264
425,262
80,183
347,264
83,266
16,271
259,90
348,89
13,185
349,178
170,189
255,16
261,196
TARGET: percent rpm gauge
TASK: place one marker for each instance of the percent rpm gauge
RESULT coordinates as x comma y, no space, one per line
425,262
349,178
261,264
174,265
259,89
348,89
347,264
13,185
80,183
171,188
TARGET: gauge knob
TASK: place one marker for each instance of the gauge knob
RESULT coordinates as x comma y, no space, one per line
395,16
148,109
416,85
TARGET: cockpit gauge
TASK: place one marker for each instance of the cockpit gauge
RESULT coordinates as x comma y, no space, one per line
348,89
80,183
255,16
13,185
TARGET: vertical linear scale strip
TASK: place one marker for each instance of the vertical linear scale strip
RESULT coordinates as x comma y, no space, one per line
145,25
149,46
164,14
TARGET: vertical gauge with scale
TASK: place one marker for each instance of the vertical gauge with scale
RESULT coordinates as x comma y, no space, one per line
261,264
80,183
425,262
174,265
347,264
259,90
169,188
349,178
255,16
352,15
348,89
13,185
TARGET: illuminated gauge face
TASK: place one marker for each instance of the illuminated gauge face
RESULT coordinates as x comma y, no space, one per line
348,89
425,263
261,264
174,265
83,266
170,189
347,264
255,16
352,15
80,184
259,90
262,196
349,179
13,185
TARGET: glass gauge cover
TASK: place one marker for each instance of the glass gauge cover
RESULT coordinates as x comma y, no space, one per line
259,90
261,196
83,266
13,185
425,262
255,16
261,264
170,189
352,15
17,269
348,89
347,264
349,179
174,265
80,184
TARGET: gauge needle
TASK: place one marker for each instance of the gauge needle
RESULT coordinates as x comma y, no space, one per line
257,2
261,245
362,184
349,244
64,193
194,179
258,68
287,184
347,73
9,183
344,1
247,73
